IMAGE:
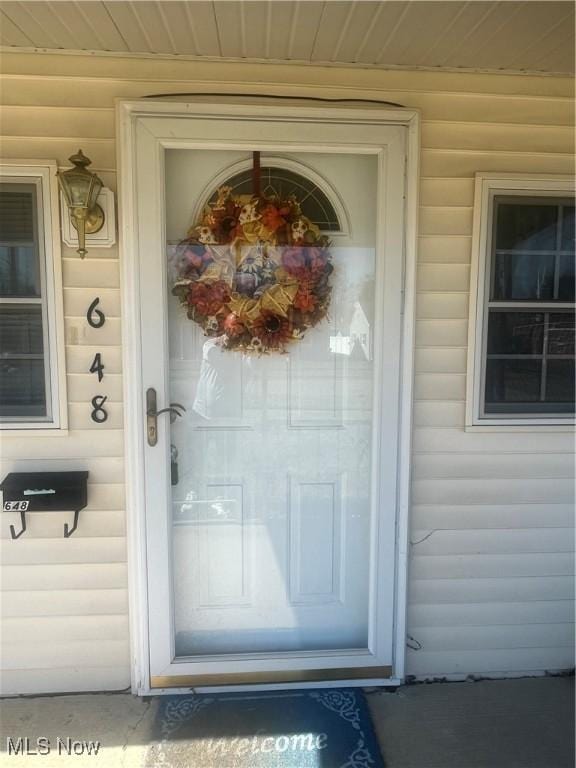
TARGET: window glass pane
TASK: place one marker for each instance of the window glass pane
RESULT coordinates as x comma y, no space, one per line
19,267
512,381
525,226
22,354
515,333
561,333
568,228
566,278
560,383
523,276
533,262
22,391
17,212
19,271
21,330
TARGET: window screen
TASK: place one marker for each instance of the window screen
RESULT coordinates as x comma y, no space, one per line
529,323
23,354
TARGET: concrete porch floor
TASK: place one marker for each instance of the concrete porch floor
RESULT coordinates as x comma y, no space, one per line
527,723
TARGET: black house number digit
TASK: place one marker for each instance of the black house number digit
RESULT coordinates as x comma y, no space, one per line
97,366
95,317
99,414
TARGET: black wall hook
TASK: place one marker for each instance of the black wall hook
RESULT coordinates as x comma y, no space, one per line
13,530
69,531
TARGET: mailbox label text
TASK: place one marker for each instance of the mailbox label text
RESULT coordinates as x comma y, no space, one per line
16,506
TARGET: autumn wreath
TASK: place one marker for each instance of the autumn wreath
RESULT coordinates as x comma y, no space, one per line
254,272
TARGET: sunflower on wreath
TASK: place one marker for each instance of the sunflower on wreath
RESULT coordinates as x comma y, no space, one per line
254,272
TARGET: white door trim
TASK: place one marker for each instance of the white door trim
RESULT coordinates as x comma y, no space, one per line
127,115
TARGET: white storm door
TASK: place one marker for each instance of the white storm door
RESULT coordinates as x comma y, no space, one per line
271,504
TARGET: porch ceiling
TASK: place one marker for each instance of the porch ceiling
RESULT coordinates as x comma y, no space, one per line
514,36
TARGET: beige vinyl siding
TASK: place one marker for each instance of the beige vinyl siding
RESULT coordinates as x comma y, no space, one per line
491,584
64,602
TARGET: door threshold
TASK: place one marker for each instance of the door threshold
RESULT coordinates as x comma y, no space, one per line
276,677
380,682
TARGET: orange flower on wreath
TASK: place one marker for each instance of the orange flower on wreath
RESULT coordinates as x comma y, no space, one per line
233,326
305,300
272,218
273,330
209,298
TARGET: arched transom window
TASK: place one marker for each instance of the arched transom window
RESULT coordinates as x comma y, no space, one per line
282,183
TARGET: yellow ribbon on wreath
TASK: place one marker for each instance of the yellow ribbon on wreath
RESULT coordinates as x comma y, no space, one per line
223,266
277,299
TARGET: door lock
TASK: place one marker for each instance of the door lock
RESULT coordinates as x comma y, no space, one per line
174,409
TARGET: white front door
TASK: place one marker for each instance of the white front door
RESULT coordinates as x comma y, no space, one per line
271,501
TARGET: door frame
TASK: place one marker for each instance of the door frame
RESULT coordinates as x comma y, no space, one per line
128,113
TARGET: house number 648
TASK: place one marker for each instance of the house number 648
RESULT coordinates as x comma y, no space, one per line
96,319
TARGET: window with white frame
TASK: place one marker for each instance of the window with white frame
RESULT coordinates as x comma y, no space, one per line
32,391
522,350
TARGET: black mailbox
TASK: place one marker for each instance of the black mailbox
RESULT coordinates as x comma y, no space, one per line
45,492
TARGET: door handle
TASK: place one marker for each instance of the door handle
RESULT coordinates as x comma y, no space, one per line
174,409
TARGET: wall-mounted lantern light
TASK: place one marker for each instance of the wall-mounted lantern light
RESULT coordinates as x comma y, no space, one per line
81,188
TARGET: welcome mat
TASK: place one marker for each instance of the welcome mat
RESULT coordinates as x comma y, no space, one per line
320,728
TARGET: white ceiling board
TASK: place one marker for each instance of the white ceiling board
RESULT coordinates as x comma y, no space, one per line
480,34
203,27
57,27
180,29
127,18
80,31
230,33
11,34
278,42
304,28
256,29
510,47
100,22
152,19
500,34
556,40
424,27
355,38
381,29
464,18
23,16
352,38
476,34
333,25
552,54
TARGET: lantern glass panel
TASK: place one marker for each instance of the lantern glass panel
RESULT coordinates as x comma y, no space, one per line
76,185
94,192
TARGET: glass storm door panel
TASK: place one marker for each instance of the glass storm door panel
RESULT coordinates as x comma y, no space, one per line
271,550
271,505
